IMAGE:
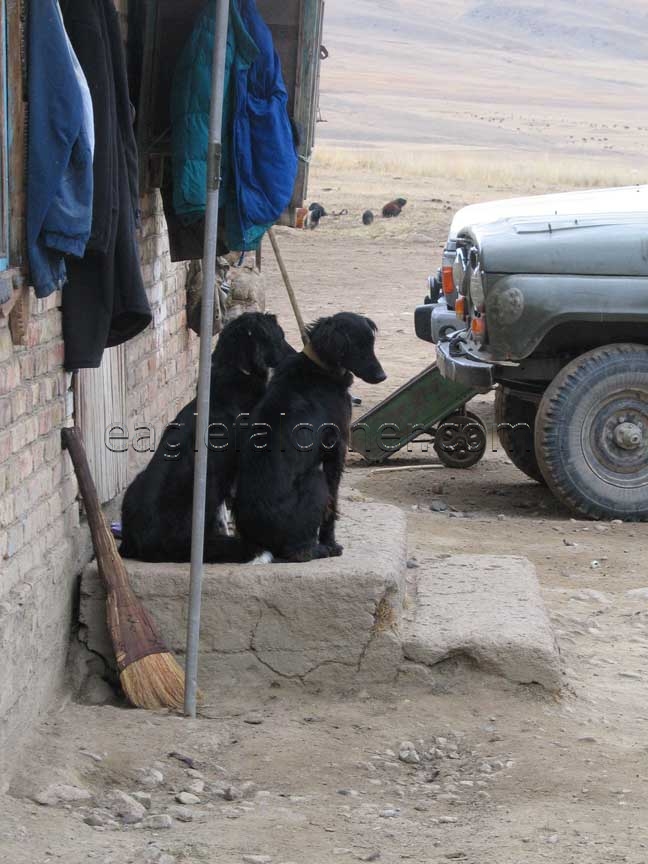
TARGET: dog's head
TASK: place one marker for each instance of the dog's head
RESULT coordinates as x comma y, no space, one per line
346,341
253,343
401,202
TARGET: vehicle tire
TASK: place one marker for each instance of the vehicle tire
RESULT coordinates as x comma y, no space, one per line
519,441
460,440
591,433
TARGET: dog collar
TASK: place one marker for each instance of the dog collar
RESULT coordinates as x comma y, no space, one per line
309,351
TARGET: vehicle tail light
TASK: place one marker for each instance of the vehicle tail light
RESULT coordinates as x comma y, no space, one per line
460,308
448,281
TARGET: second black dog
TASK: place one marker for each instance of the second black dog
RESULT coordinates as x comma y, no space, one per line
291,467
157,507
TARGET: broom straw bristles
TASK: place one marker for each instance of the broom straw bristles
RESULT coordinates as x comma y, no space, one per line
150,676
156,681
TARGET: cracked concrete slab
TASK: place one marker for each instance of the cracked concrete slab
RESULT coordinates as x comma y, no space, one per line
488,608
333,621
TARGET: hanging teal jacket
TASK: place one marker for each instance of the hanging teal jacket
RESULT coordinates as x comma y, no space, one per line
259,159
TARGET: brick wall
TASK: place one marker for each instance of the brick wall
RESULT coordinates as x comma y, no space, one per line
42,544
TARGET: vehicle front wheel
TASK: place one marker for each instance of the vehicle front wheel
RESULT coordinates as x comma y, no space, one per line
515,421
591,433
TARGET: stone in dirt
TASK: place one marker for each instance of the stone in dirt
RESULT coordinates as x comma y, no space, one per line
231,793
124,806
157,822
407,753
187,798
100,819
161,858
487,608
150,778
182,814
257,859
144,798
94,756
61,793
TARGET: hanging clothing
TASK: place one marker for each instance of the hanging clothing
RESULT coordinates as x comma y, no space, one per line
264,158
59,150
104,302
259,164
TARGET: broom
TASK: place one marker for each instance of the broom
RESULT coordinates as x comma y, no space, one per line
149,674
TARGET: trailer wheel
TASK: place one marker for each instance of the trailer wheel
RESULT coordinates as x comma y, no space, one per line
460,440
515,420
592,433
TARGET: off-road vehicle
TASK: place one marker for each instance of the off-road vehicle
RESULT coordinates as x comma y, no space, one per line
551,304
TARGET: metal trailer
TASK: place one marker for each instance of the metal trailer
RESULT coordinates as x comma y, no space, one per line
428,407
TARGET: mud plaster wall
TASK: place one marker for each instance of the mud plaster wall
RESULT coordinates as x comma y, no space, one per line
43,543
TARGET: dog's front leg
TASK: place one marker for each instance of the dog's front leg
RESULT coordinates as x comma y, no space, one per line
333,468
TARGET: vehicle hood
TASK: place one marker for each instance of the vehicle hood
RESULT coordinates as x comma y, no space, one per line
623,199
614,244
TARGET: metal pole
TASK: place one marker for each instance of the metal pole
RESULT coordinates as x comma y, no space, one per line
206,333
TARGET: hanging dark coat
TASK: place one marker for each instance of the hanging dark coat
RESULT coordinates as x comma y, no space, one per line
59,152
104,302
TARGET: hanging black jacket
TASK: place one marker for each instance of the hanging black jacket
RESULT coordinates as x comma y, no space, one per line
104,302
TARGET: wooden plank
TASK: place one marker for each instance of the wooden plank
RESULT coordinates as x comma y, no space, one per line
99,403
306,85
4,144
283,19
277,15
17,115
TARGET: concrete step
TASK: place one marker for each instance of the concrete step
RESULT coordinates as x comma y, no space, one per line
333,621
488,608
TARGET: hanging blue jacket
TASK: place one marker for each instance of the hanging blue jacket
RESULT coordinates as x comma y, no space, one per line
259,157
59,151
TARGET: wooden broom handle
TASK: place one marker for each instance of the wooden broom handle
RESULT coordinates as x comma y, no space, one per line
109,560
289,287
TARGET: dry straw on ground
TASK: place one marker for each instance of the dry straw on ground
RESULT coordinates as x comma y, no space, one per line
484,166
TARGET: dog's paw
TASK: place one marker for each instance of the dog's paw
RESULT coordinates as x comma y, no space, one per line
335,550
263,558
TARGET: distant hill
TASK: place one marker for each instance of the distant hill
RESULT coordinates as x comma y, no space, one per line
553,75
613,27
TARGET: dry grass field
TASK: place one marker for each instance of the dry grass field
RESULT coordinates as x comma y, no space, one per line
546,92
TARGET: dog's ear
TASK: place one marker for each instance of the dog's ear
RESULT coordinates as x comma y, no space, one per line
255,349
233,346
330,341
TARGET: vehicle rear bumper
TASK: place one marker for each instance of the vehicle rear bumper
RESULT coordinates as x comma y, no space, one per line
456,366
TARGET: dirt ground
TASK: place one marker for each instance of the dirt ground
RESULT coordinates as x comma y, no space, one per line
506,774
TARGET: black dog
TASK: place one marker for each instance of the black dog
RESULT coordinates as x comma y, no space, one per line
157,507
291,465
